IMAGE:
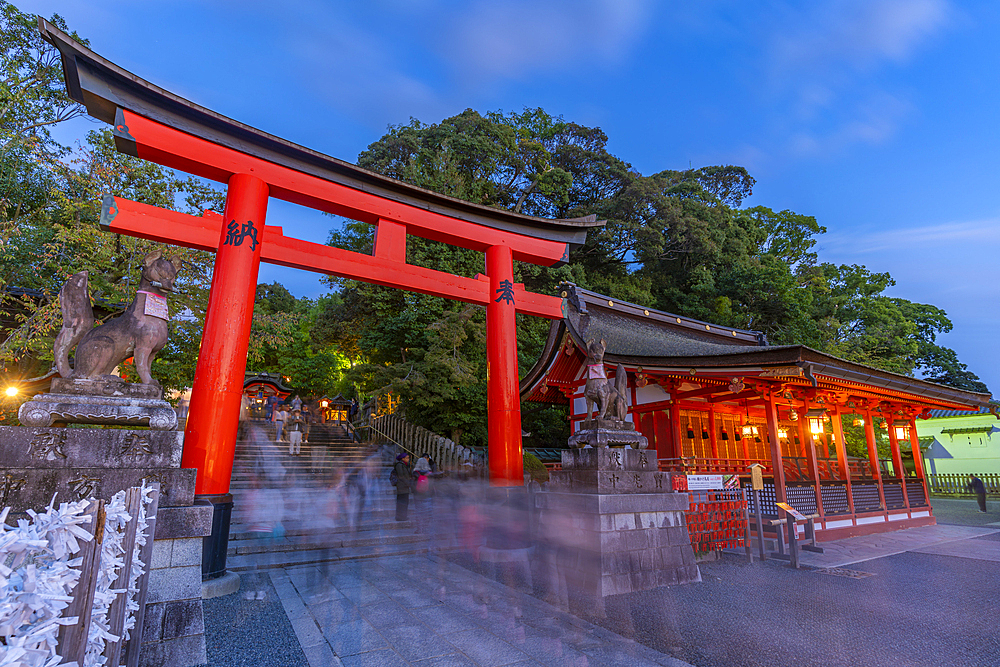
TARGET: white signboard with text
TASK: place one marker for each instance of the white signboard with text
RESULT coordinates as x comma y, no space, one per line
704,482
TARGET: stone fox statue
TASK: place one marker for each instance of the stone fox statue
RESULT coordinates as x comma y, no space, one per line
140,332
610,398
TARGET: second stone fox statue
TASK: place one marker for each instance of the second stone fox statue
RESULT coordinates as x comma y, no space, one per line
607,394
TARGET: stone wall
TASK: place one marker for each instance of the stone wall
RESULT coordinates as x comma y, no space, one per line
173,632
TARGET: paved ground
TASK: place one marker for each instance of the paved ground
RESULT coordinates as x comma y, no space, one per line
964,511
924,596
422,610
250,633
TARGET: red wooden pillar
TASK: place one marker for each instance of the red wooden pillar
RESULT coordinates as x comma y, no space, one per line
712,438
503,401
210,435
873,455
897,461
771,413
841,446
918,458
675,423
812,466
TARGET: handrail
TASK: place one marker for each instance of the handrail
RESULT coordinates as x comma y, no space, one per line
398,444
446,452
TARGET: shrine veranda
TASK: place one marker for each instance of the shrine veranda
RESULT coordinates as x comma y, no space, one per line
713,399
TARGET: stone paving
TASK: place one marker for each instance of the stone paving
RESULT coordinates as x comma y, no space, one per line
923,596
851,550
423,610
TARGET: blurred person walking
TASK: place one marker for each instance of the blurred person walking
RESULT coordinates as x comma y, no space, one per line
978,488
402,478
266,510
295,426
279,422
308,416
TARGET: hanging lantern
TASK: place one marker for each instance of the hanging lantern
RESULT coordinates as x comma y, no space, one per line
793,415
748,430
859,421
902,430
783,433
815,418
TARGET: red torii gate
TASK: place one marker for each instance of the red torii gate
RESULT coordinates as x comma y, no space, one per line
158,126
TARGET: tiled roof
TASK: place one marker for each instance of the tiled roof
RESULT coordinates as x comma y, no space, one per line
937,414
638,336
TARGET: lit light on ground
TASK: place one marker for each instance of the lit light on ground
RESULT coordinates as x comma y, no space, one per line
11,391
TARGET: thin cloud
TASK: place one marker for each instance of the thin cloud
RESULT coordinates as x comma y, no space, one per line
925,240
822,66
514,38
860,33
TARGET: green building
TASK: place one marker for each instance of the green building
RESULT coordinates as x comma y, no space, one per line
960,442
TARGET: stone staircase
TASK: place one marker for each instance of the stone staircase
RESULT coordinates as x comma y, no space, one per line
314,533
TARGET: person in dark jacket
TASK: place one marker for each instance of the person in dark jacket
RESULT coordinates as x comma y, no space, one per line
979,489
404,485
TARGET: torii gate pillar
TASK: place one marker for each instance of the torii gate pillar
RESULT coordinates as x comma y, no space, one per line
217,392
503,402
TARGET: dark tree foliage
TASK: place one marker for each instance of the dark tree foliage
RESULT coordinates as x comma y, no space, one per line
677,240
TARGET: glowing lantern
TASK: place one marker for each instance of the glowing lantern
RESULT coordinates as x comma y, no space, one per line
815,418
859,421
902,430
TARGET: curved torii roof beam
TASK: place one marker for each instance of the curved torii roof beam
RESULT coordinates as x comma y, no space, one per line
119,97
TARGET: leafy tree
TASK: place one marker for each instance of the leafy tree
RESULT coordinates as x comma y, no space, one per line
676,239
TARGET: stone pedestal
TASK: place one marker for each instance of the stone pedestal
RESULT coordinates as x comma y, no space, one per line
107,401
622,526
608,433
76,463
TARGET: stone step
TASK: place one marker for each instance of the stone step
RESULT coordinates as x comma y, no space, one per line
245,562
316,542
375,521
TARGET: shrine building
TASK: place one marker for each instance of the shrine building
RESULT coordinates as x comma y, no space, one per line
713,399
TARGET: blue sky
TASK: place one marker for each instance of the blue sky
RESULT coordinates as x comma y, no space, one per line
878,117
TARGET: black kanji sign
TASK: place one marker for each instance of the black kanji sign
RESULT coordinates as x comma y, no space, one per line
235,234
506,292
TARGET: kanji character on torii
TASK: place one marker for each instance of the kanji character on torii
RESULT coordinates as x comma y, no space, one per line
158,126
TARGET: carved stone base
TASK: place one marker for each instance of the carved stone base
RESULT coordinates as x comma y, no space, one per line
106,385
618,543
108,401
608,437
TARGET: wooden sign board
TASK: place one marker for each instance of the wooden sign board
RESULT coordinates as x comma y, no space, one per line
781,371
756,478
791,510
704,482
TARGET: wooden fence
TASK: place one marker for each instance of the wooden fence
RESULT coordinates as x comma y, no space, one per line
417,440
73,638
100,598
958,483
